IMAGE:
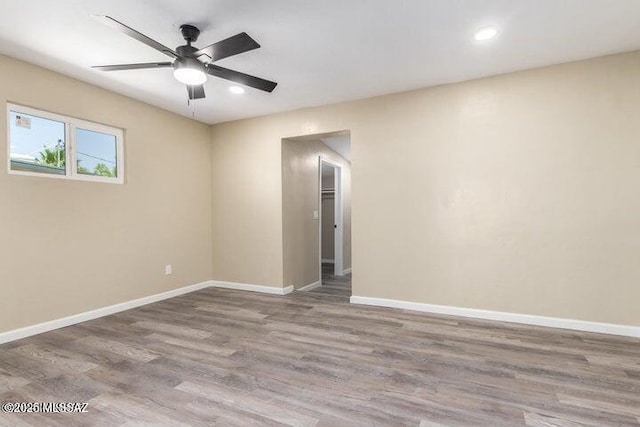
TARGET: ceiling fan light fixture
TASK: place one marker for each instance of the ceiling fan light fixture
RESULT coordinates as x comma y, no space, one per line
189,71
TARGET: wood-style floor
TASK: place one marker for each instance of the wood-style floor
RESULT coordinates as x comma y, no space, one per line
224,357
336,288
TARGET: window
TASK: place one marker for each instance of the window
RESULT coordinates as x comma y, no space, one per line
46,144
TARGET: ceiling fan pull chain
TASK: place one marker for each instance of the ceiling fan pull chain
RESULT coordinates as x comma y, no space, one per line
190,104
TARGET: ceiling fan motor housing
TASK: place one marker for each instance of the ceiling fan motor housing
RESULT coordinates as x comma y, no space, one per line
186,50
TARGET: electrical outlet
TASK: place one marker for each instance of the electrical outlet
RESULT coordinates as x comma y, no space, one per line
168,270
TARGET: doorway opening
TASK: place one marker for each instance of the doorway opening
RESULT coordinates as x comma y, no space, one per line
331,217
317,258
334,279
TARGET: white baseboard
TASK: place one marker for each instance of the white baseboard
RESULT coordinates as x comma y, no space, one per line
39,328
310,286
252,288
346,271
328,261
553,322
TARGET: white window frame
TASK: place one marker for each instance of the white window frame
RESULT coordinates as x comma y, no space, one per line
70,125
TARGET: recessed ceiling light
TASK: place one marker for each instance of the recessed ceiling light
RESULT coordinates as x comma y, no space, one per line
486,33
236,89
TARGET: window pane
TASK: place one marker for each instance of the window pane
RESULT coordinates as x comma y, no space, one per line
96,153
37,144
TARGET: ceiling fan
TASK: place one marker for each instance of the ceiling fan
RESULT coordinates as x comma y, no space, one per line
192,65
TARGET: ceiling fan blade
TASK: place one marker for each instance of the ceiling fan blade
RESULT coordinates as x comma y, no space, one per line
133,66
238,77
136,35
195,92
228,47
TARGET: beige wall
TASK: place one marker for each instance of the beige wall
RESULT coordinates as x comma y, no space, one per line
515,193
246,177
69,246
301,244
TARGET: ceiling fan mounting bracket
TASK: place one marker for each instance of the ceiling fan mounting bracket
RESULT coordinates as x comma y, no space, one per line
190,33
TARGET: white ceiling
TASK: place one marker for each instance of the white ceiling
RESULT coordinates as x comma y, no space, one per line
319,52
